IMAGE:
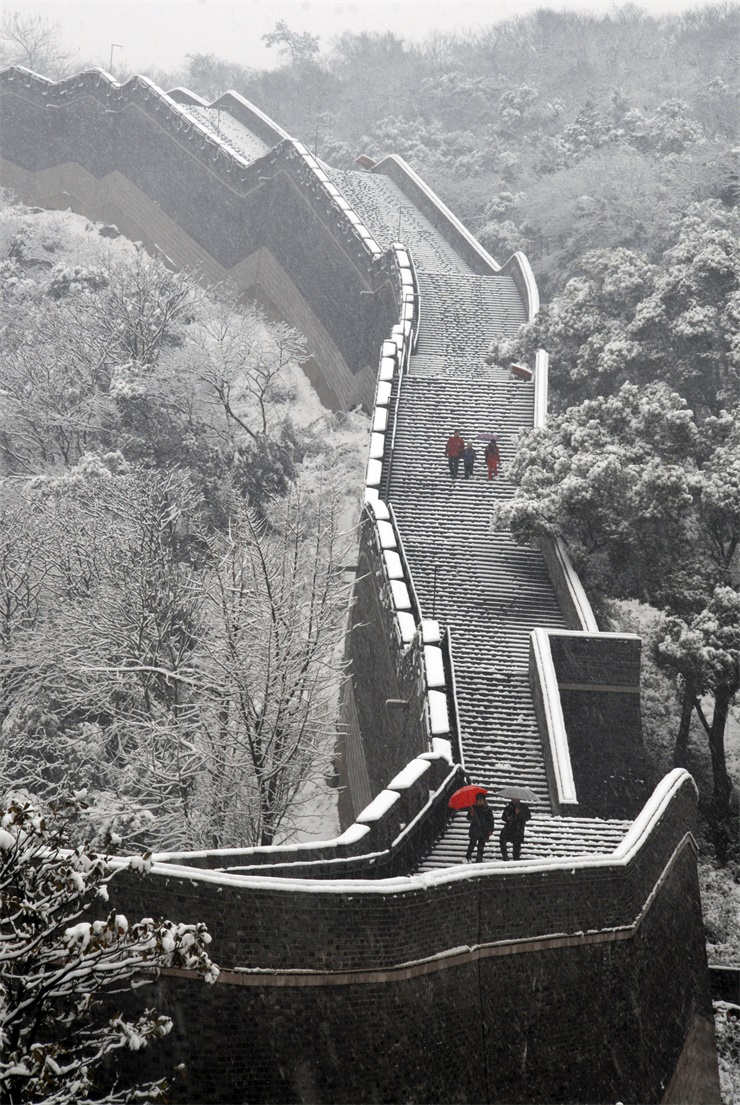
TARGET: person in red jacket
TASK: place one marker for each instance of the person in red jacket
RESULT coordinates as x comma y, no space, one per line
493,456
453,451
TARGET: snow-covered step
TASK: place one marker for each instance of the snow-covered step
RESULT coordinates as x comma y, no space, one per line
230,132
459,317
391,216
545,837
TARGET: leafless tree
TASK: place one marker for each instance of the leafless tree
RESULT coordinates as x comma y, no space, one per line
33,42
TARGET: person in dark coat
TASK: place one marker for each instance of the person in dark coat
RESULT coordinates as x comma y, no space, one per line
493,458
469,459
453,451
480,817
515,817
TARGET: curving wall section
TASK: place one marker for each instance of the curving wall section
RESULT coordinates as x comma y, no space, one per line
378,966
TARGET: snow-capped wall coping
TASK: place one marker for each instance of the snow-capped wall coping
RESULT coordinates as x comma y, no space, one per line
250,116
353,834
431,632
434,666
438,714
547,698
639,834
379,807
393,565
183,95
395,352
442,747
410,774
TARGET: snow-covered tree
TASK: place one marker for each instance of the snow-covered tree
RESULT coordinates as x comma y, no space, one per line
62,963
187,678
33,42
270,665
704,650
628,317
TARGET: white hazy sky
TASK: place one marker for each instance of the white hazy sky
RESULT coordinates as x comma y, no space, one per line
157,34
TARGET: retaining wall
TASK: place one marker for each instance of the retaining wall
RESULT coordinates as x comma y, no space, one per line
445,987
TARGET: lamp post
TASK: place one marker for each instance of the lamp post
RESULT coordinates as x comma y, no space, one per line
113,46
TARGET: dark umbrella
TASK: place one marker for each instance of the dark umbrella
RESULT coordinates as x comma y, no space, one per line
465,797
524,794
486,437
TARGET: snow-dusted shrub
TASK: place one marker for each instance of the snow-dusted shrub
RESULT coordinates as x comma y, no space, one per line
58,956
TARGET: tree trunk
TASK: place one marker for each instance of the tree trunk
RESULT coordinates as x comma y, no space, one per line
722,781
681,748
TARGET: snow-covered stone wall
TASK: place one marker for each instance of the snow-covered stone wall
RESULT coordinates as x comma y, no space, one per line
315,974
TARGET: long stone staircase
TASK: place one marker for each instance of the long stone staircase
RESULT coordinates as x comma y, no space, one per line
489,592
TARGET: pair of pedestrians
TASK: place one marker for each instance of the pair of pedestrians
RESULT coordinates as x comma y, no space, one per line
515,817
458,449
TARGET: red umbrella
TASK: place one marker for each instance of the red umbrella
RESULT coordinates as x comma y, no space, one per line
465,797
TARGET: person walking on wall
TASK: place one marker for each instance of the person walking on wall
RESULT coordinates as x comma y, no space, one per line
480,817
493,457
468,459
515,817
453,451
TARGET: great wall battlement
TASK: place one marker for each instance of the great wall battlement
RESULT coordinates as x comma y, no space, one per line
379,966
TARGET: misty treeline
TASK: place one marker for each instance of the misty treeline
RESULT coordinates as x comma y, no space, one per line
172,596
554,132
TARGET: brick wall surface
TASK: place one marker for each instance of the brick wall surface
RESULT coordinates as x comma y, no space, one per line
518,1022
286,928
599,681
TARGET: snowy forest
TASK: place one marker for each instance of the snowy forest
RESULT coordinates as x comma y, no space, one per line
173,498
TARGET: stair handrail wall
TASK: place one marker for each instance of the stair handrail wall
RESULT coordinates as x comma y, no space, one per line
570,592
520,271
541,384
551,724
395,355
413,631
415,604
449,662
431,206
